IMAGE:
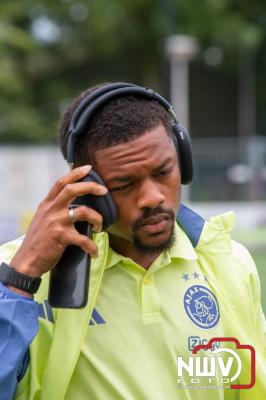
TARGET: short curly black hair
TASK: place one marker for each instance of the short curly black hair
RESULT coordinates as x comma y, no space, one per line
120,120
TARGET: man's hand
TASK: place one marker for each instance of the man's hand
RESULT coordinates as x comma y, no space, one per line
52,229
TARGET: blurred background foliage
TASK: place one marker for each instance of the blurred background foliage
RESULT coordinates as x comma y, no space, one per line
51,50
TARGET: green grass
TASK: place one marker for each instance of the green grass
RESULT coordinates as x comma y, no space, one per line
260,260
251,237
255,241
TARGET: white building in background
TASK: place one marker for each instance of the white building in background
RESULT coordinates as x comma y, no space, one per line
26,175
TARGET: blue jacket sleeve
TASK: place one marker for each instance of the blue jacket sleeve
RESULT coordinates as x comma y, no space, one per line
18,327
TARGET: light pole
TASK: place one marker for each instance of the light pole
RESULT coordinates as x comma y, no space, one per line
180,50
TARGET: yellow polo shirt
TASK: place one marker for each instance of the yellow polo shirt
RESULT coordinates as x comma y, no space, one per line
142,322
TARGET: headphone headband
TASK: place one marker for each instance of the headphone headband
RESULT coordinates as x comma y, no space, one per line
91,97
99,97
103,94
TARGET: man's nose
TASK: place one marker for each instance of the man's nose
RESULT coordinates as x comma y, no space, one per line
150,195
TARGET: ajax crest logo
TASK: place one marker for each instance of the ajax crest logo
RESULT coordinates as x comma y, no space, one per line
201,306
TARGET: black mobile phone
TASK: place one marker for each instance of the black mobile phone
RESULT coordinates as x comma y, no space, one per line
69,280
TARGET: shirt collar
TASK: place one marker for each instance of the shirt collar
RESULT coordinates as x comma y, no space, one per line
182,248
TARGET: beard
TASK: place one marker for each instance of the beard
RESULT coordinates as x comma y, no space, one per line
145,246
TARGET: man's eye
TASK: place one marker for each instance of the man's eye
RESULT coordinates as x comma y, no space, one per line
164,172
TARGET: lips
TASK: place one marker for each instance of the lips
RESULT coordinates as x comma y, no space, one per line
155,220
156,224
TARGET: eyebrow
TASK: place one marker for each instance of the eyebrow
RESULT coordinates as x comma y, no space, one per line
128,178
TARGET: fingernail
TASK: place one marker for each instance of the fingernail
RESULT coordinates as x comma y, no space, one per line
94,254
85,168
103,189
98,228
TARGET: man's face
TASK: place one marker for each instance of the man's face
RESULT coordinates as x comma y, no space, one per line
144,180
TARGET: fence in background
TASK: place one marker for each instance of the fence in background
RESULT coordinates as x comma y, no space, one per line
230,173
229,169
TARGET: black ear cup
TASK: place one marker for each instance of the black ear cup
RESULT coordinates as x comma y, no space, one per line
104,205
184,153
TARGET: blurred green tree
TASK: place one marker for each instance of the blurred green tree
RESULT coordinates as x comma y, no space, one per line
50,50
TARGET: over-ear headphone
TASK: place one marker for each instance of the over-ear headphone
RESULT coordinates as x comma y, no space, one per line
100,96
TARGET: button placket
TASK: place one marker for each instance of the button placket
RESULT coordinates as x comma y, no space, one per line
149,300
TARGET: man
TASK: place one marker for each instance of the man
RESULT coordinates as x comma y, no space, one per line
151,293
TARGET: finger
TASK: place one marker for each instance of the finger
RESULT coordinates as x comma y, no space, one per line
89,215
84,242
73,190
73,176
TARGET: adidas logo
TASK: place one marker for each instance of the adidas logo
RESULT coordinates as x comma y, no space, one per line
45,311
96,318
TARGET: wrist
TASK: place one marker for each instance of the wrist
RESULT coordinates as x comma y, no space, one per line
25,266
